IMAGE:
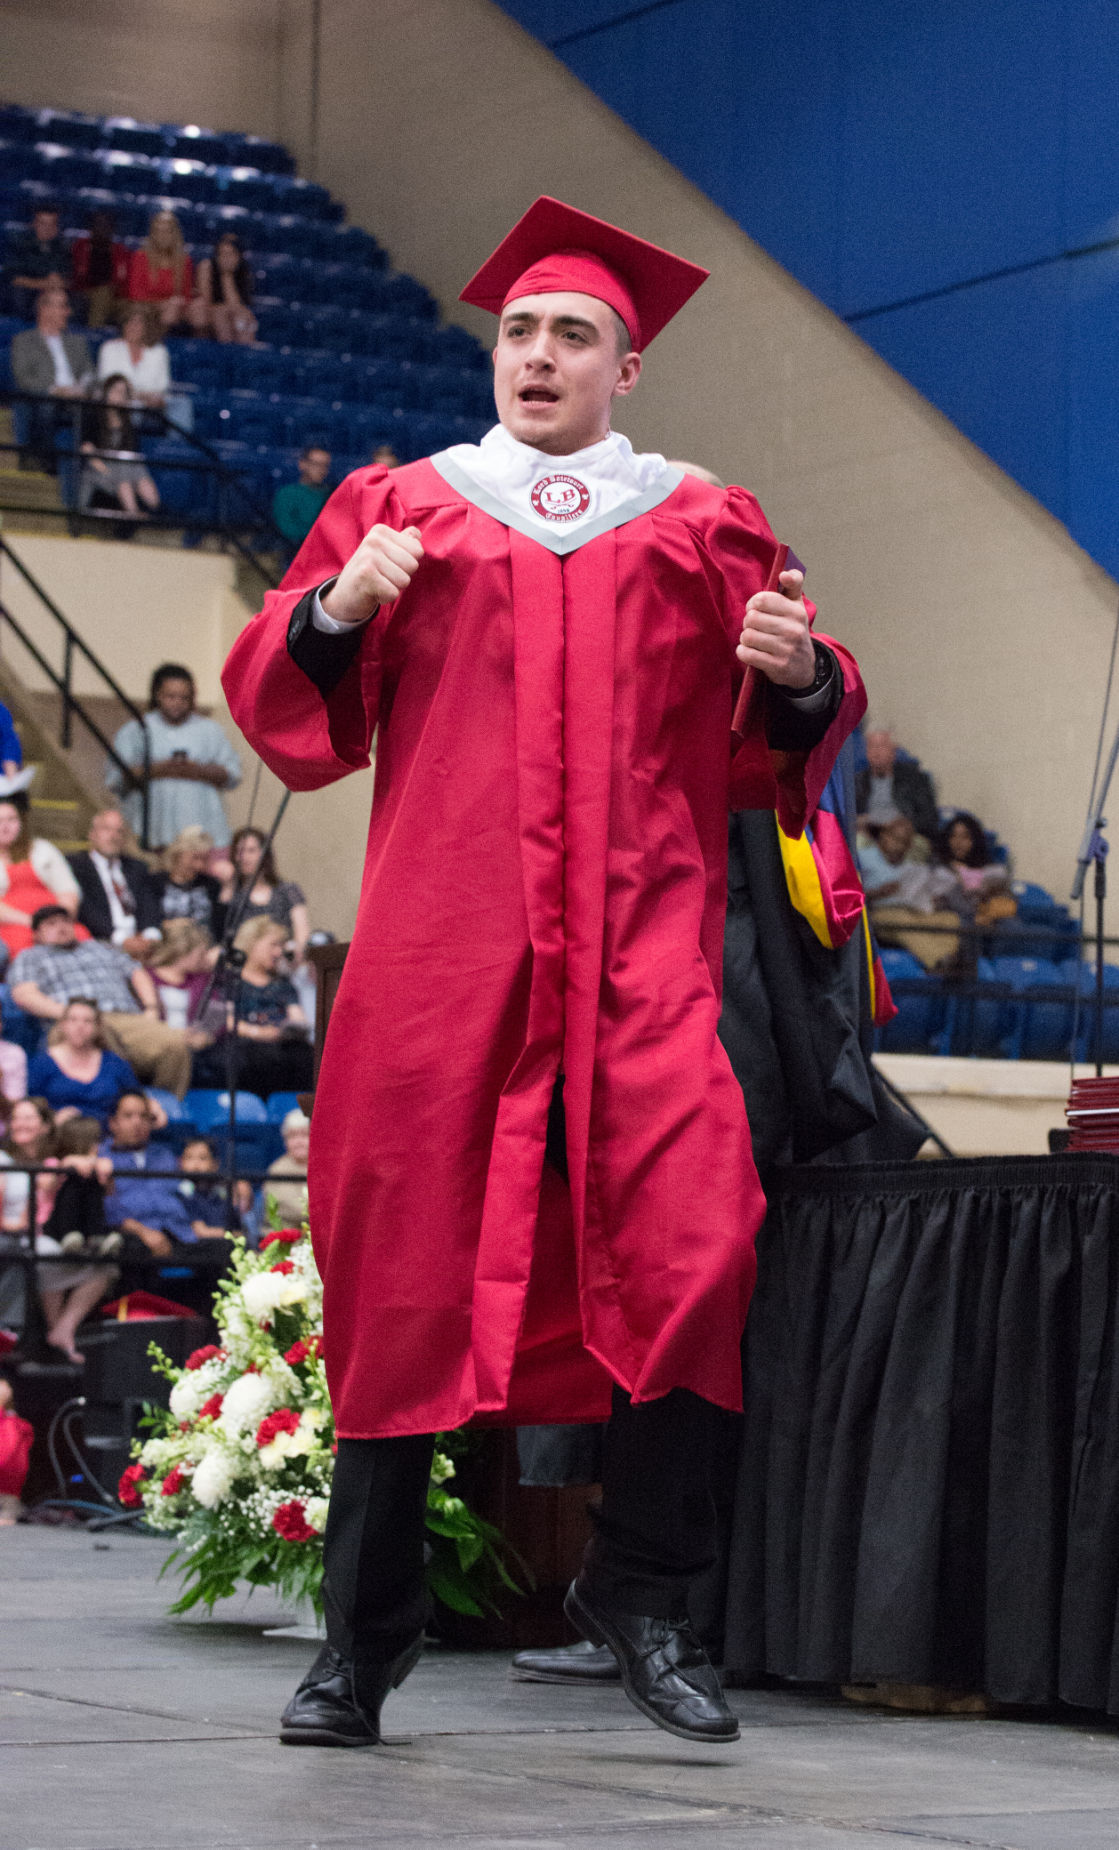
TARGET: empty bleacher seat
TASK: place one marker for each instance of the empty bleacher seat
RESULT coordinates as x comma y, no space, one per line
209,1108
918,997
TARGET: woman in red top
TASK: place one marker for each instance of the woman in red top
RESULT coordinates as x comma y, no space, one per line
161,272
33,873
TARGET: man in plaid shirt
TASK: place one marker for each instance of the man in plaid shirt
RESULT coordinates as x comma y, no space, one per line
57,968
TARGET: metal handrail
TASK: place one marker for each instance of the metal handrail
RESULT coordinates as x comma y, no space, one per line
208,462
71,702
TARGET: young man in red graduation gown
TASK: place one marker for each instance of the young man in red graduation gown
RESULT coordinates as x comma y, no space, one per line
532,1194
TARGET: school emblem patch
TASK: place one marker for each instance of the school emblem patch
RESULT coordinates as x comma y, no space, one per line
561,497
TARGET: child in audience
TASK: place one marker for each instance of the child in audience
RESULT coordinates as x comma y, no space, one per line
198,1160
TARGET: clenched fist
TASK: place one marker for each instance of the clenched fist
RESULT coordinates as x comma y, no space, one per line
382,567
775,636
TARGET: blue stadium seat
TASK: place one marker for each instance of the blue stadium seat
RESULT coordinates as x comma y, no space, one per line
1034,1027
19,124
279,1104
71,128
182,477
253,151
975,1025
19,160
209,1109
27,1031
176,1111
132,137
65,171
917,996
126,171
1085,975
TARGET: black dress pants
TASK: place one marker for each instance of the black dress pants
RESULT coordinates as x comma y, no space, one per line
654,1534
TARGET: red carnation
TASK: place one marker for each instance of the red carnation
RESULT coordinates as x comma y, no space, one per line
287,1236
285,1266
286,1420
290,1521
212,1407
128,1490
303,1351
173,1482
210,1353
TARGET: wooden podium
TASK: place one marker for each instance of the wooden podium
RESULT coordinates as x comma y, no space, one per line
547,1528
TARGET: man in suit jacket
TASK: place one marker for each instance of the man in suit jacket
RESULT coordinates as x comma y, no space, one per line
55,365
890,786
119,900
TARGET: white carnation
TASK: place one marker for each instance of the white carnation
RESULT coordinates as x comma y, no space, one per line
265,1292
213,1479
246,1402
191,1391
316,1508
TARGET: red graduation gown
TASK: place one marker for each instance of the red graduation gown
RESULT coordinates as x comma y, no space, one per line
544,891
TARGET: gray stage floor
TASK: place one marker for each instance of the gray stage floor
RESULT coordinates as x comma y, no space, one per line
122,1729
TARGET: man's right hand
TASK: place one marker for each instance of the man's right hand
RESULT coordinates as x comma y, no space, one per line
382,567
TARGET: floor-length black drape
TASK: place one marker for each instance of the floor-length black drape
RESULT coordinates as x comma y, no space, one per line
929,1482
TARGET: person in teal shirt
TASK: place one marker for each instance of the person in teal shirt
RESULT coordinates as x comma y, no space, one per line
297,505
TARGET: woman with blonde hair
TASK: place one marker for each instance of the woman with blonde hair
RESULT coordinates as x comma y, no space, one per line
273,1051
161,274
185,888
179,967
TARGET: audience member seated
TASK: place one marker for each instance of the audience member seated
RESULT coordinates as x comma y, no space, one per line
38,260
384,457
890,786
289,1199
33,873
144,362
272,1052
114,474
184,887
100,272
54,364
297,505
68,1290
223,285
13,1074
205,1191
11,751
905,894
77,1073
179,967
268,897
192,762
119,902
57,969
147,1203
963,847
161,274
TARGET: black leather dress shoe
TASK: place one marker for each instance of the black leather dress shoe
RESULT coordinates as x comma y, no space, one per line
665,1671
567,1663
338,1704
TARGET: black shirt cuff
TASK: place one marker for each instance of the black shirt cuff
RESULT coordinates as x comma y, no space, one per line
323,659
788,727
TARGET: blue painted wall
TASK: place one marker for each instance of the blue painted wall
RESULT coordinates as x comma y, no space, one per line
943,174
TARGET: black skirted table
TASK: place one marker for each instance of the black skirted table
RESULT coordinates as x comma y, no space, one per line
929,1491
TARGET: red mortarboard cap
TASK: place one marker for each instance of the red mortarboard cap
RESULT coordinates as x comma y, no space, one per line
555,247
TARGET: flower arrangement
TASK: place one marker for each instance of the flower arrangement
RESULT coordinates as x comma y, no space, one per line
238,1467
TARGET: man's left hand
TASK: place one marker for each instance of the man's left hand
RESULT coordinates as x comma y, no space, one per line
775,636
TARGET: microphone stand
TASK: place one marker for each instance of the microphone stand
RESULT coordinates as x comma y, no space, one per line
1093,853
231,960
